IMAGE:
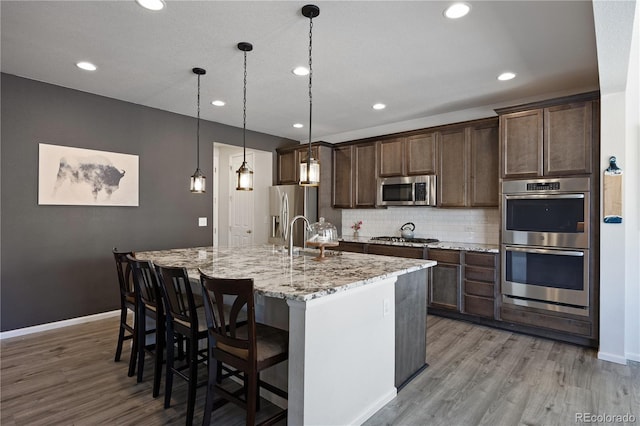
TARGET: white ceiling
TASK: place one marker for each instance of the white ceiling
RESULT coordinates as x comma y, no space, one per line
427,69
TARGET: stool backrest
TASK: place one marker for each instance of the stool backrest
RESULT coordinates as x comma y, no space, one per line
125,278
178,295
146,282
231,331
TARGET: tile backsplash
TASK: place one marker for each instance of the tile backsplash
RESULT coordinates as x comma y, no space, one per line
459,225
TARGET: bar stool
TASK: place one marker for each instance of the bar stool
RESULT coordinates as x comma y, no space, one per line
247,347
149,305
127,303
185,319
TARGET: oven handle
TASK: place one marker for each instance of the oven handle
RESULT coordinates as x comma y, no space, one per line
546,251
539,196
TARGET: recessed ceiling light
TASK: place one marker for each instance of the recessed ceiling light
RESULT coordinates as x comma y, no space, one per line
298,126
218,102
87,66
379,106
457,10
151,4
300,71
506,76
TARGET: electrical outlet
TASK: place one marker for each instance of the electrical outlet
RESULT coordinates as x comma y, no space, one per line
385,307
202,221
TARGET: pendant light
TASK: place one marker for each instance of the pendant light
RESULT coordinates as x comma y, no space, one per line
198,181
310,168
245,174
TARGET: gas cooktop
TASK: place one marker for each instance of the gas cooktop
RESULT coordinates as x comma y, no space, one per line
406,240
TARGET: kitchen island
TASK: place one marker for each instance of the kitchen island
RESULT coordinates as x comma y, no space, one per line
341,316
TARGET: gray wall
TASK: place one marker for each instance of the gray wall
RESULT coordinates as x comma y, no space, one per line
56,261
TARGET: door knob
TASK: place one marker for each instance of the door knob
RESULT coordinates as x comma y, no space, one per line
248,231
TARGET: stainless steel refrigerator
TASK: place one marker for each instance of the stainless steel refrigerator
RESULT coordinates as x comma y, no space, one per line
287,202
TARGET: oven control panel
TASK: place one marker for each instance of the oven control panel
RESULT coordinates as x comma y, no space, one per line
543,186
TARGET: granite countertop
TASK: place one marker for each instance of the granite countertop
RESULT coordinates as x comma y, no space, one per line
280,276
448,245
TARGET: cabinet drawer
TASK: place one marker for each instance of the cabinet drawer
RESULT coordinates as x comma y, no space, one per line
480,306
411,252
349,246
537,319
487,260
479,274
478,289
445,256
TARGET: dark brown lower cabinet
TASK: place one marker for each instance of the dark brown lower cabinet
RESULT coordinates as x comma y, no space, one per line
445,286
444,279
465,285
479,290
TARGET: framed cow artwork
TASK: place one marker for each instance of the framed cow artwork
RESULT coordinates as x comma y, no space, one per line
77,176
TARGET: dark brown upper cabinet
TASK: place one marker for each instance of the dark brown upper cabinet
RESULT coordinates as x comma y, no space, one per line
354,175
484,159
453,175
421,154
468,165
568,139
407,156
550,140
392,157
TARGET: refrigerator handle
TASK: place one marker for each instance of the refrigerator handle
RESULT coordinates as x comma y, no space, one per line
274,226
284,217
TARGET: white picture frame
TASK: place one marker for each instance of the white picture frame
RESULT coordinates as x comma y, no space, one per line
86,177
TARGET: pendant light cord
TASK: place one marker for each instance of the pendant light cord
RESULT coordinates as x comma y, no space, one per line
244,113
198,129
310,85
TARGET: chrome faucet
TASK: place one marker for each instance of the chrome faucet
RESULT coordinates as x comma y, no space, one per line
291,231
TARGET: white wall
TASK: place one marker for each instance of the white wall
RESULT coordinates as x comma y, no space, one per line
612,237
632,207
617,43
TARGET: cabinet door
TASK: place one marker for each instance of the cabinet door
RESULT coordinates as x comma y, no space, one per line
365,175
453,168
287,168
444,291
483,191
392,157
343,177
421,154
567,139
521,144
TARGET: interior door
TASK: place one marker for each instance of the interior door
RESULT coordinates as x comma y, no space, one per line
240,206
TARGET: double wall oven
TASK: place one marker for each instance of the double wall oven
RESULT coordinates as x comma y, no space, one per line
546,243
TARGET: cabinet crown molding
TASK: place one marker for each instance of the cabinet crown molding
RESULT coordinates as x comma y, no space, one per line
581,97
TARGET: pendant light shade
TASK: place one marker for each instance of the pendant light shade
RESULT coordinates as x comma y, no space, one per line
198,180
310,168
245,174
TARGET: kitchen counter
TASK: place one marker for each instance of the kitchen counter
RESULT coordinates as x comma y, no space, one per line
356,322
280,276
448,245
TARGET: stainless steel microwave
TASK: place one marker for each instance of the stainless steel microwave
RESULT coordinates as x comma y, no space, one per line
407,191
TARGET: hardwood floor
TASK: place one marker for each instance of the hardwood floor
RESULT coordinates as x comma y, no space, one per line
477,376
484,376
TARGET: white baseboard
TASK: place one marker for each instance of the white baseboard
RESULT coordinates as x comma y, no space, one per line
632,357
375,407
57,324
605,356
